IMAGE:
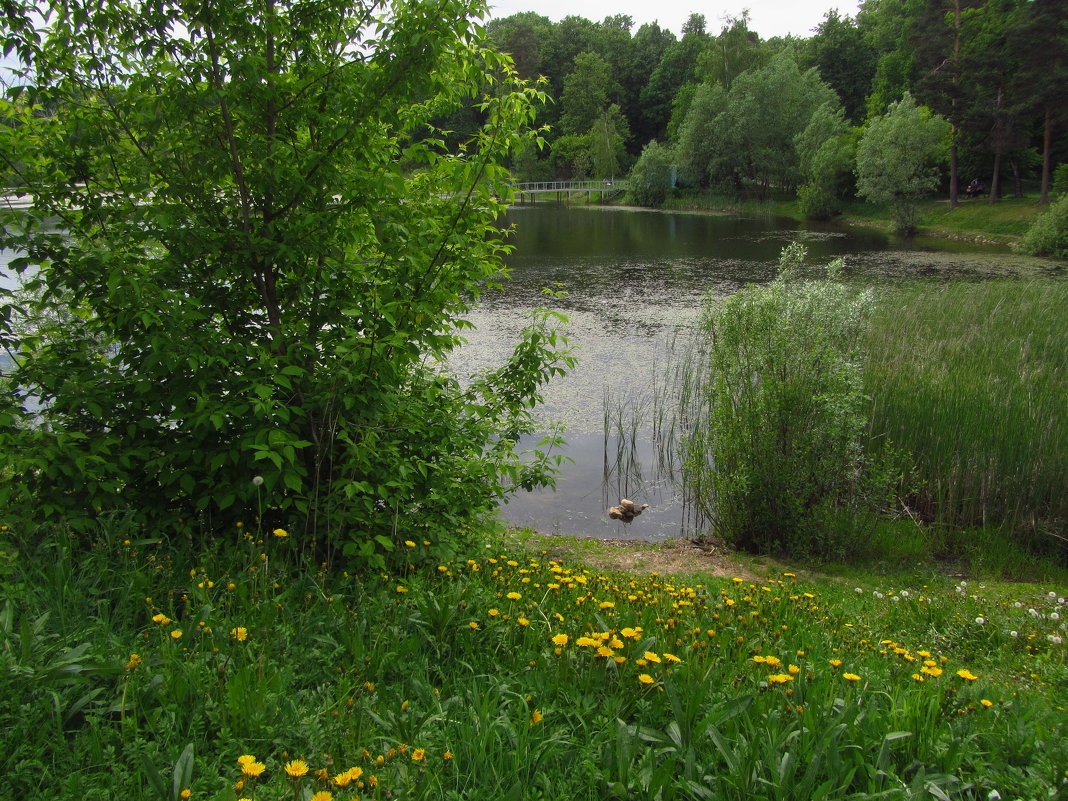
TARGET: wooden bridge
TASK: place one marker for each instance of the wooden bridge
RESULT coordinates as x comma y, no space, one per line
564,190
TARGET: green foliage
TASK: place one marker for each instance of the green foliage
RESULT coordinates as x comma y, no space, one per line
826,152
898,157
1048,235
263,257
755,134
650,178
778,414
1060,181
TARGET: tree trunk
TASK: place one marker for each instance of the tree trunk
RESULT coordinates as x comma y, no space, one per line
1047,148
995,180
954,171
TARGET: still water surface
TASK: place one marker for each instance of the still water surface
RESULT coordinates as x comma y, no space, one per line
636,281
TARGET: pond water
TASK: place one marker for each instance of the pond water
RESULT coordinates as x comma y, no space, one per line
636,281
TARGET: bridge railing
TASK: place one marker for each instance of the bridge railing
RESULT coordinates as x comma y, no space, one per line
606,185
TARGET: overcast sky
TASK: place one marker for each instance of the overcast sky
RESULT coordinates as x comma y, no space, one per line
767,17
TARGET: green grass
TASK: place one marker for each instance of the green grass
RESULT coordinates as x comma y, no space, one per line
1004,222
972,380
481,678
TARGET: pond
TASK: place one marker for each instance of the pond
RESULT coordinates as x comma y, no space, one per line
636,281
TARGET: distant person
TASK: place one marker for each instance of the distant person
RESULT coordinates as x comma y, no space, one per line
975,188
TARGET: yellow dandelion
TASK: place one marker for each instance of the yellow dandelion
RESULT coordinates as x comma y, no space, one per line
343,779
240,633
917,677
780,678
418,755
494,612
793,670
355,773
835,662
986,702
296,768
401,589
253,769
473,624
133,661
513,596
447,756
851,677
560,639
671,657
536,717
967,675
645,678
176,634
323,795
760,660
280,532
185,794
409,544
651,657
933,672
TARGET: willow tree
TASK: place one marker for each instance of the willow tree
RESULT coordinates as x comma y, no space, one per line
264,253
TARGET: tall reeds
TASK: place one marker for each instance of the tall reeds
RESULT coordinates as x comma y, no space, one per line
972,380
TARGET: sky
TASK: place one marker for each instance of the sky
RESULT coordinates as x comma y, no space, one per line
767,17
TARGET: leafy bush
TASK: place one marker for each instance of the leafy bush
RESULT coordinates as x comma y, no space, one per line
1060,180
776,447
264,258
650,177
1048,234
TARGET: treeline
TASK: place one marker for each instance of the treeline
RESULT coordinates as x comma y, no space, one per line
733,111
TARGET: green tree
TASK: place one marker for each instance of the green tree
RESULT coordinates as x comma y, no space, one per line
845,60
697,134
898,158
267,254
650,177
587,93
766,108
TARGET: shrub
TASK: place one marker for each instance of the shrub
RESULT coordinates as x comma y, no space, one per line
650,178
776,449
1048,234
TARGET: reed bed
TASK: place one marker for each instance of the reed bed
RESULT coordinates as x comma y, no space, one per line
971,379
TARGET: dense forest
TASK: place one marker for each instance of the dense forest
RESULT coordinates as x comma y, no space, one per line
750,116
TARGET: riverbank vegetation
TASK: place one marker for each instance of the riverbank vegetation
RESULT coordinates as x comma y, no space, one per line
749,117
819,417
143,664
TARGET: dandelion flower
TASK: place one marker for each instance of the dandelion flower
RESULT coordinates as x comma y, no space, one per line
323,795
793,670
986,702
253,769
409,544
780,678
536,717
245,759
447,756
240,633
967,675
523,622
176,634
296,768
185,794
280,532
851,677
133,661
161,618
835,662
651,657
645,678
671,657
513,596
418,755
560,639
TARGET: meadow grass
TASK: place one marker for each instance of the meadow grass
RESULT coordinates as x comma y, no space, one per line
134,668
971,379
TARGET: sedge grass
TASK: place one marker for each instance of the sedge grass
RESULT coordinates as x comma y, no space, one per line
511,675
972,380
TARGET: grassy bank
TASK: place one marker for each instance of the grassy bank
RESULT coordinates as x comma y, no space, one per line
137,670
974,220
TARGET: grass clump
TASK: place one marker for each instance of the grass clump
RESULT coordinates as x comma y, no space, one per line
246,671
